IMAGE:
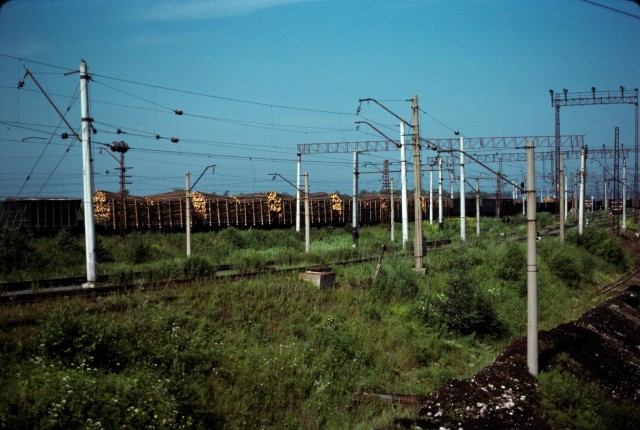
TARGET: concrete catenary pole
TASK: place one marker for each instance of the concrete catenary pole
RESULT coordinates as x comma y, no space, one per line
87,178
477,206
566,197
463,207
403,183
417,178
307,215
583,162
575,197
431,195
451,183
354,232
188,211
440,214
532,265
624,194
561,208
605,197
393,212
298,194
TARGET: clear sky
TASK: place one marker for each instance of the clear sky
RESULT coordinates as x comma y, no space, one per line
255,78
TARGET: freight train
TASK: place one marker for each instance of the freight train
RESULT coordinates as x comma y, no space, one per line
114,212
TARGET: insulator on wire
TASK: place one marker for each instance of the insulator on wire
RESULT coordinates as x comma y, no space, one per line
119,147
175,140
157,137
178,112
64,135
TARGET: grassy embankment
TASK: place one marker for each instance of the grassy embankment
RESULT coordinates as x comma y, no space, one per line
274,352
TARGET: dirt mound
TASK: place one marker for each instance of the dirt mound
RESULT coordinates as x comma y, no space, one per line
603,347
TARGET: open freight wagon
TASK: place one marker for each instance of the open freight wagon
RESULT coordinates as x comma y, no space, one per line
168,211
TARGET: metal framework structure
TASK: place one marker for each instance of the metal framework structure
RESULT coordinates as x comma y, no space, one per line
495,157
386,183
595,97
572,141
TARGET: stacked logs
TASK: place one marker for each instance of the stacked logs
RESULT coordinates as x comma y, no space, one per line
101,207
108,210
336,203
199,205
167,211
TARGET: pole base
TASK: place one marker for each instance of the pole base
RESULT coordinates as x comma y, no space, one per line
89,284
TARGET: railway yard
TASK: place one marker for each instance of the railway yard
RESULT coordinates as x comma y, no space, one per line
597,349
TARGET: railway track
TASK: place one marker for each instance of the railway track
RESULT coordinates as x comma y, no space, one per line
51,289
73,287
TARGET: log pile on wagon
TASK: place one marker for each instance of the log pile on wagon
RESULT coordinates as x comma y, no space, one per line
167,211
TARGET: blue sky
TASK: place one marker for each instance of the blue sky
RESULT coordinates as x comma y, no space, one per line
255,78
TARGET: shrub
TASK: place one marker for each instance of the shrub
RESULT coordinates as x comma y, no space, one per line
249,261
15,251
64,398
65,333
197,267
233,237
395,280
601,243
65,242
462,308
568,402
136,251
567,264
511,266
214,247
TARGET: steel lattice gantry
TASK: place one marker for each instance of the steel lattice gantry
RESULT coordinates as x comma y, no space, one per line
446,146
595,97
495,157
574,142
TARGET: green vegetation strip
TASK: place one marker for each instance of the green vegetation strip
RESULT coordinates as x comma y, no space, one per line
274,352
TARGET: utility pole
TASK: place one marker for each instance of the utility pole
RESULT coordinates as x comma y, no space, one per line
583,162
532,265
499,189
463,208
616,182
354,233
87,175
393,212
298,193
431,194
561,197
188,211
478,207
575,198
624,194
566,197
440,214
417,172
403,183
188,188
121,147
417,176
605,201
307,215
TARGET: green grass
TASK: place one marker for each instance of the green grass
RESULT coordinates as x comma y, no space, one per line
275,352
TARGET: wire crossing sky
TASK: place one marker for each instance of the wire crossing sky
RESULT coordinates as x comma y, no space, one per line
240,84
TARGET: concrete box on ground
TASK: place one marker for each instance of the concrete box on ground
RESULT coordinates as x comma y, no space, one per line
322,278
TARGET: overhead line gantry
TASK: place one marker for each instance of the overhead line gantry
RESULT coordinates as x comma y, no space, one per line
595,97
